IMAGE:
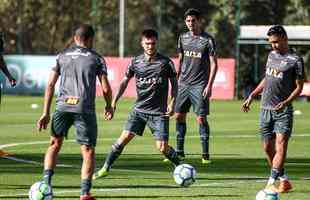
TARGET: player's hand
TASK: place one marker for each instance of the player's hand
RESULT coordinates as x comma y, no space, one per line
246,104
207,92
43,122
12,82
280,106
170,111
109,113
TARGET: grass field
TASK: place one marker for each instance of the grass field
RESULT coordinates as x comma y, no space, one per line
237,172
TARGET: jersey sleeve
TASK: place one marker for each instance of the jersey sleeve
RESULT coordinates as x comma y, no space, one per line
101,66
56,68
130,70
211,47
180,46
300,69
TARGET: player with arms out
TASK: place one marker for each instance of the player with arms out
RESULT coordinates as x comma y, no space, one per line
152,72
283,82
78,67
196,73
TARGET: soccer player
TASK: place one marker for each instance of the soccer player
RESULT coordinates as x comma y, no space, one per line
78,67
152,72
3,66
283,82
196,73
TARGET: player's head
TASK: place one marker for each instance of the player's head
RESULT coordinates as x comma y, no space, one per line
192,19
149,39
84,35
277,37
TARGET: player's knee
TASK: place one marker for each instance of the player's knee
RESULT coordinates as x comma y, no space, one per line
56,143
180,117
201,120
162,147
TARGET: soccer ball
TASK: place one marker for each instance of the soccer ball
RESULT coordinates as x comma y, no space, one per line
40,191
184,175
266,194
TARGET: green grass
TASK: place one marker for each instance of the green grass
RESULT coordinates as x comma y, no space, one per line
238,170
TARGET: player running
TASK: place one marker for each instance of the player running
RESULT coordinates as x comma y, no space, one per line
152,72
283,82
78,66
196,73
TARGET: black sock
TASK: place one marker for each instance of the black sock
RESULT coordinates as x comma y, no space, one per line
85,186
180,132
204,132
47,176
115,152
172,156
275,173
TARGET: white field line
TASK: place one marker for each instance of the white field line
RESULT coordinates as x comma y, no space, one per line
70,191
109,139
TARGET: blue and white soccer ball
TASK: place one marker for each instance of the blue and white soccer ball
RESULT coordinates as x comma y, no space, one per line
40,191
184,175
266,194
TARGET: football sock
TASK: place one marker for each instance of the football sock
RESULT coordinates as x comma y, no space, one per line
204,137
47,176
274,174
180,132
116,151
172,155
282,175
85,186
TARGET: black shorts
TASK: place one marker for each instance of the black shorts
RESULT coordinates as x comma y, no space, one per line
192,95
158,124
85,124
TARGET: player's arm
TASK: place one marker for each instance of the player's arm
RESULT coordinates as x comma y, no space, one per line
107,94
48,96
296,92
179,64
6,71
213,69
174,93
120,91
246,104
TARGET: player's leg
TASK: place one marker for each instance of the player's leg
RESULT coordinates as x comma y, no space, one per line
283,128
61,122
182,107
50,158
88,165
201,109
204,132
269,148
159,126
86,136
135,126
268,139
180,133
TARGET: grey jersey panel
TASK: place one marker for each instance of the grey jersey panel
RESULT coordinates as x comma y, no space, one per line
152,82
78,68
281,74
196,50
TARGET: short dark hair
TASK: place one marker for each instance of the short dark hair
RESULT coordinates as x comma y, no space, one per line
277,30
149,33
85,31
192,12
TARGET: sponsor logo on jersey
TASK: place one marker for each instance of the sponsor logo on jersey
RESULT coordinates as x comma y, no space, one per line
148,81
274,72
192,54
75,54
